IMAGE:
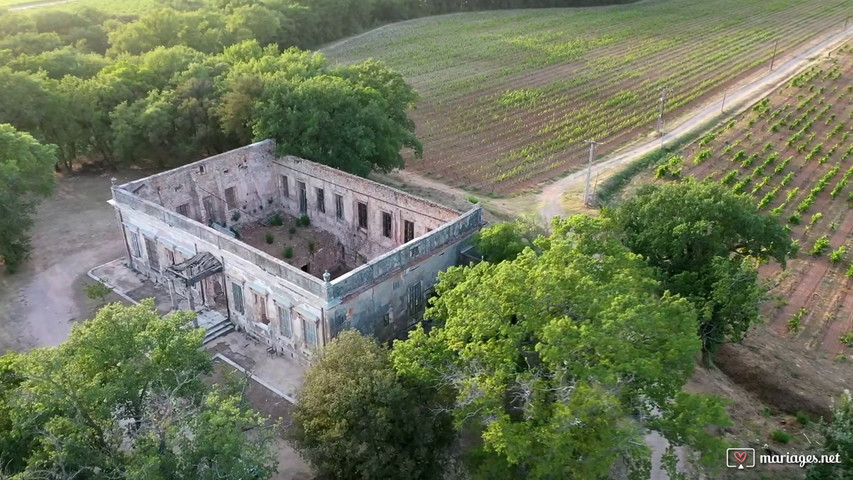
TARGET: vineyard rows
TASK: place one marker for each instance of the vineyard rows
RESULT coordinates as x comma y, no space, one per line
793,153
508,98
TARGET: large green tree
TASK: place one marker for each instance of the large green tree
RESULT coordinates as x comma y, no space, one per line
505,241
562,359
124,397
706,241
356,419
350,118
26,173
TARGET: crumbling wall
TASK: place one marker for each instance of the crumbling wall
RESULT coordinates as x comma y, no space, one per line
381,298
370,242
279,286
202,187
389,295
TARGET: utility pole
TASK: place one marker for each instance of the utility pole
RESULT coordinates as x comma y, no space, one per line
586,196
663,92
723,106
774,55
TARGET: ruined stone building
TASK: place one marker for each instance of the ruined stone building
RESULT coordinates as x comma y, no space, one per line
292,252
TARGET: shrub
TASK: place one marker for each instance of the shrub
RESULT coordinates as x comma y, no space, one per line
820,246
849,273
303,221
703,155
847,339
838,254
795,219
291,230
473,199
833,226
781,436
288,252
98,291
276,220
739,186
815,218
795,248
729,178
803,418
794,322
235,216
270,237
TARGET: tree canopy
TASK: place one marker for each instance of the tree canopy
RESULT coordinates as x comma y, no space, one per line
174,104
506,240
124,397
356,419
706,241
561,359
338,122
26,172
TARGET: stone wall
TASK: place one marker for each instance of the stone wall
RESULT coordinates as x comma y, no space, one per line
256,178
381,297
371,242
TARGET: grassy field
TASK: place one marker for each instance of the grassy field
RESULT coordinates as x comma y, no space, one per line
793,152
508,97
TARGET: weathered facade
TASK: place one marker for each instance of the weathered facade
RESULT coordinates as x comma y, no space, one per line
390,244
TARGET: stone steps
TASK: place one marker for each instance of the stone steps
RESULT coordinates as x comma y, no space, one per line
215,331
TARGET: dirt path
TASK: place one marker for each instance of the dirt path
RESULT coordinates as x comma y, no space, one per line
74,231
550,201
27,6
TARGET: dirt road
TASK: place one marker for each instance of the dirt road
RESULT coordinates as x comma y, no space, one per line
550,201
74,231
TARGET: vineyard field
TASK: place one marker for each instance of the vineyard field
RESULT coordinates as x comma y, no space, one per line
507,98
793,152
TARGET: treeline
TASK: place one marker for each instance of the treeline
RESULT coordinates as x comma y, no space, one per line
191,78
211,25
174,104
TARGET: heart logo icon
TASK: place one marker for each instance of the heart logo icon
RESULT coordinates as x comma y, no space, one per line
740,456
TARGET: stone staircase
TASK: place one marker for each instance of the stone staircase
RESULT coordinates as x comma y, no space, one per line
214,324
